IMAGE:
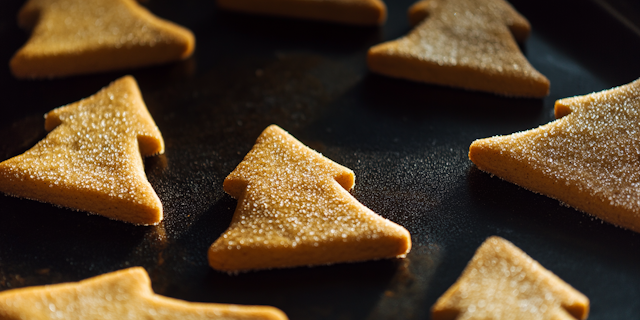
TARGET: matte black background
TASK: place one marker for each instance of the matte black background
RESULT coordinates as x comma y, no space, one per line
406,142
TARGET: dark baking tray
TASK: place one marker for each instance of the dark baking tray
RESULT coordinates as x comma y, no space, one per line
406,142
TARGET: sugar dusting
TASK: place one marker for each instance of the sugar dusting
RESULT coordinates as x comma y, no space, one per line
69,25
292,197
502,282
595,148
124,294
465,33
466,37
93,150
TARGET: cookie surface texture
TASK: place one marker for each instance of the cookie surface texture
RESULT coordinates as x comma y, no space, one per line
356,12
71,37
294,209
124,294
587,159
503,282
91,160
468,44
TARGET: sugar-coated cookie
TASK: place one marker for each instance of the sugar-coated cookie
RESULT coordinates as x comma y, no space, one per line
71,37
468,44
92,158
356,12
502,282
124,294
294,209
587,159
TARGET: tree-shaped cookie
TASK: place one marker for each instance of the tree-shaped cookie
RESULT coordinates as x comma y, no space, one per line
356,12
91,160
294,210
502,282
588,159
463,43
124,294
72,37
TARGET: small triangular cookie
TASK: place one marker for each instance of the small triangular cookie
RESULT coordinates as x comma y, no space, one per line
73,37
587,159
124,294
356,12
91,160
294,210
463,43
502,282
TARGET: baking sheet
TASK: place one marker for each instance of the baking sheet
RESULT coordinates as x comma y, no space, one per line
406,142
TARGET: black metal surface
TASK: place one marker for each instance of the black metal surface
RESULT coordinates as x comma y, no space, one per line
406,142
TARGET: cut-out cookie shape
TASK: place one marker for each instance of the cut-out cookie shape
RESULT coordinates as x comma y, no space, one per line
463,43
71,37
502,282
356,12
294,210
91,160
124,294
587,159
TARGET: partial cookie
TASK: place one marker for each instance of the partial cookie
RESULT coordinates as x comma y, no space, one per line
73,37
294,209
502,282
356,12
468,44
518,25
124,294
587,159
92,158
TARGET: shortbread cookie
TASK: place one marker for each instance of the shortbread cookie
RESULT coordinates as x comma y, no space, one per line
502,282
463,43
294,210
587,159
356,12
124,294
73,37
91,160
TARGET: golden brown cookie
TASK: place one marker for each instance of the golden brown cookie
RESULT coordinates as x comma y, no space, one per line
124,294
463,43
587,159
356,12
91,160
71,37
502,282
294,209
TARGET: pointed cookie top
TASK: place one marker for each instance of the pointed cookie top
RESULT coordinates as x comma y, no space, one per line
502,282
124,294
72,37
463,43
91,160
294,210
356,12
588,159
